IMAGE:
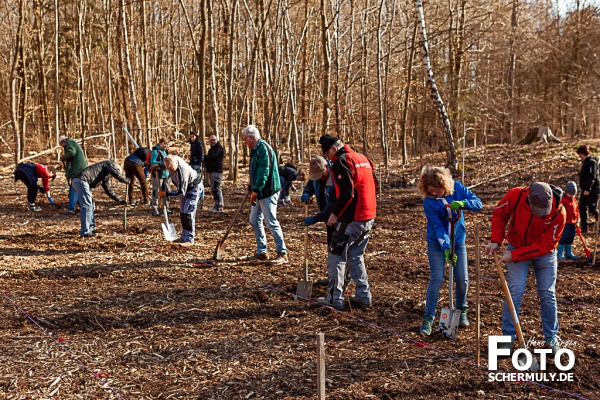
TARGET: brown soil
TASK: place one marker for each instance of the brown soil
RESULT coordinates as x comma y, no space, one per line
127,315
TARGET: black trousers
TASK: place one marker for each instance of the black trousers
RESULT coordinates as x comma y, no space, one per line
588,205
32,190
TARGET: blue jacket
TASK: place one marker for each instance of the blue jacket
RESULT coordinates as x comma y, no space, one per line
438,227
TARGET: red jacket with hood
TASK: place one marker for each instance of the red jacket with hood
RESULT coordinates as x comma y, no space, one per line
532,236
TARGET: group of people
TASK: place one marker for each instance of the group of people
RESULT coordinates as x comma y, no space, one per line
538,222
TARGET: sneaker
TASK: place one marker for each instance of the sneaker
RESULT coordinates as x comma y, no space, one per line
507,345
215,210
89,235
169,212
554,344
323,301
361,303
33,207
147,204
155,214
463,322
426,326
68,212
281,258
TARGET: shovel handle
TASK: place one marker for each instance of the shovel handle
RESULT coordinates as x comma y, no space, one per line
306,245
511,304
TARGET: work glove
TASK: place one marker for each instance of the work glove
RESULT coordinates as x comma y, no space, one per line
456,204
304,198
253,197
490,248
451,260
162,193
308,221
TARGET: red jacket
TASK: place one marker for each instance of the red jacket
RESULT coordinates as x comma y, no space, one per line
572,209
531,236
354,186
42,172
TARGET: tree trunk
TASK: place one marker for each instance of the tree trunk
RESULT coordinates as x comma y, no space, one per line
451,161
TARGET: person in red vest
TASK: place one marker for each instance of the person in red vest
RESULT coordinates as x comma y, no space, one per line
353,214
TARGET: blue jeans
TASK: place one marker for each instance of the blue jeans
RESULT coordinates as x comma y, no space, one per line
72,197
545,275
266,209
188,205
215,188
437,264
351,257
86,205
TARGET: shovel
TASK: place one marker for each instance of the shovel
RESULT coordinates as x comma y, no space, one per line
168,228
588,253
304,288
450,318
220,249
535,366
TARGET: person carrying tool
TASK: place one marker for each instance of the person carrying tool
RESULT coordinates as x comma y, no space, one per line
590,186
29,173
439,190
264,187
134,166
320,185
214,167
352,213
565,245
160,175
535,219
189,184
84,182
74,161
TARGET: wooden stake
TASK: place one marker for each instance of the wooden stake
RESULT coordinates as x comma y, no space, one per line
320,366
478,309
595,244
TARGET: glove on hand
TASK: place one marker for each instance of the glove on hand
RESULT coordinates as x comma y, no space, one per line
162,193
490,248
456,204
304,198
308,221
454,257
253,197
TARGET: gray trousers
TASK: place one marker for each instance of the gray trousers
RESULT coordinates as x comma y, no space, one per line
215,188
352,257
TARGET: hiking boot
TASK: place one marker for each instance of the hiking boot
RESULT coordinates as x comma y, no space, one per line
33,207
463,322
258,256
362,303
155,214
554,344
426,326
323,301
281,258
215,210
322,282
181,240
89,235
68,212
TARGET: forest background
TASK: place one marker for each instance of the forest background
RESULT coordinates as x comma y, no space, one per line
296,69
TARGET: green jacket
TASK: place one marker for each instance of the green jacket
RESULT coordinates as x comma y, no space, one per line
73,158
156,160
264,174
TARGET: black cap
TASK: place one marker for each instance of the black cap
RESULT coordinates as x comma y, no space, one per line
326,142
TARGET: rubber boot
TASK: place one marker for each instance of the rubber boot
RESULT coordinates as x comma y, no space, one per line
569,252
463,322
561,249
